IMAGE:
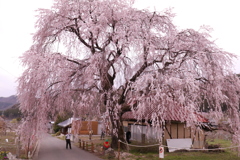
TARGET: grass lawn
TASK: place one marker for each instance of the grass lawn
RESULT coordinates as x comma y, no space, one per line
196,155
148,153
201,156
186,156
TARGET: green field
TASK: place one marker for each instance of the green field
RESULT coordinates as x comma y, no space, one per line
151,153
187,156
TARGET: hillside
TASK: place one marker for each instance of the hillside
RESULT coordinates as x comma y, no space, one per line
12,112
7,102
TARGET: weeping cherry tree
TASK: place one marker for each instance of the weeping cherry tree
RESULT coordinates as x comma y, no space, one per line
104,58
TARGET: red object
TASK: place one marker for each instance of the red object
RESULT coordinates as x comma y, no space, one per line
106,145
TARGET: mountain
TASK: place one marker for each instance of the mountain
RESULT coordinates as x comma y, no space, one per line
12,112
7,102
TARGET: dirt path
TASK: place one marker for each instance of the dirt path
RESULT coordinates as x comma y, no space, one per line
52,148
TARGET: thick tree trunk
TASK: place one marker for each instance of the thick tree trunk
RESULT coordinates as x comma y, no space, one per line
117,133
107,83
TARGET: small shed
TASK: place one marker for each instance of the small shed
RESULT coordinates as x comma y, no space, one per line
175,128
66,125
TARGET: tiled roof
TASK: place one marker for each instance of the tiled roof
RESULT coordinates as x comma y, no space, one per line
171,114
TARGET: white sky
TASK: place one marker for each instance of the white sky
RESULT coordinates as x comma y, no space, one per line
17,18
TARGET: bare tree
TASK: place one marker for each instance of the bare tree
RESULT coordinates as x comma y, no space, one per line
106,58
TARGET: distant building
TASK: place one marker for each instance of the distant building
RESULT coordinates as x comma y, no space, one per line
66,125
50,127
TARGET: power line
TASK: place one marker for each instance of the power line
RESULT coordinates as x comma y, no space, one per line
8,72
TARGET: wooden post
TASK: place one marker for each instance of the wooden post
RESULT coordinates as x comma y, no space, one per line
28,147
92,147
161,149
18,147
143,136
87,146
118,149
79,143
83,144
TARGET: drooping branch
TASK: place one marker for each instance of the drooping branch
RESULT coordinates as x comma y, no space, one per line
53,84
75,29
141,70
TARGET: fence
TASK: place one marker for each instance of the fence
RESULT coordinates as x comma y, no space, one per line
86,145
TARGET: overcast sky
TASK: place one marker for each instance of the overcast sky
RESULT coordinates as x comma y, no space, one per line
17,18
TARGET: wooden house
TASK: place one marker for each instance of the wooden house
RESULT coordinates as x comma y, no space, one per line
66,126
77,127
174,128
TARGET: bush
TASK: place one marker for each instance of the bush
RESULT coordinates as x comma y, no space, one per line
58,133
3,155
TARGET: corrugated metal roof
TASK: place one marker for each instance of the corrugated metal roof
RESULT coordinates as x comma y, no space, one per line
67,122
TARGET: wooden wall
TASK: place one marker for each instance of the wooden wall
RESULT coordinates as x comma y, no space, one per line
83,127
179,130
